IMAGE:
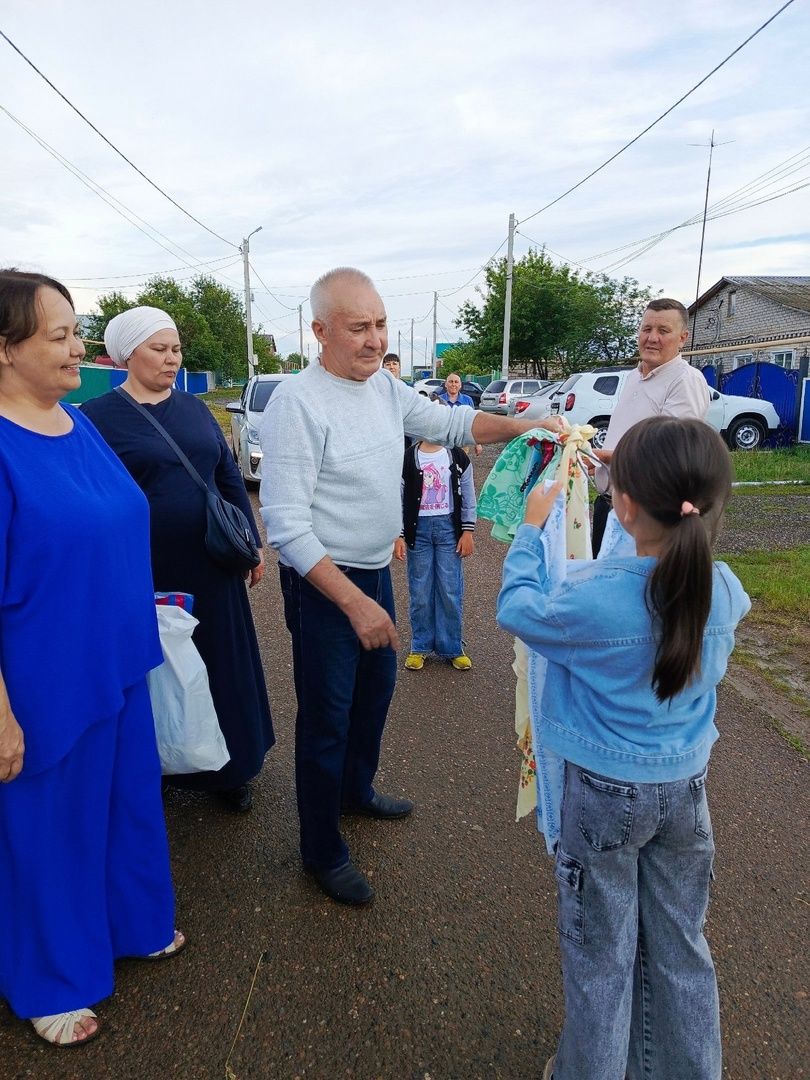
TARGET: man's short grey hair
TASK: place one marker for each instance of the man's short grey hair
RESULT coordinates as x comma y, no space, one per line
319,298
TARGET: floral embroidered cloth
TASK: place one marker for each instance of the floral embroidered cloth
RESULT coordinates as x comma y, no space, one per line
536,457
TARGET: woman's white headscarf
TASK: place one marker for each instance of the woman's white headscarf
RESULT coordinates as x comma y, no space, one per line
131,328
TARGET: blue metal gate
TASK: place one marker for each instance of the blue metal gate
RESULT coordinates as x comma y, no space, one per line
768,382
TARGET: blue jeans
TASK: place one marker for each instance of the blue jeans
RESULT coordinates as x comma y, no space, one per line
436,588
343,693
633,867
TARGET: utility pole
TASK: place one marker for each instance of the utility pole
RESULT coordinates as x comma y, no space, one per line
712,145
435,305
245,249
399,345
507,305
301,332
411,348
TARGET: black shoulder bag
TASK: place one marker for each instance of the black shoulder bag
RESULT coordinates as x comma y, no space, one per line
228,535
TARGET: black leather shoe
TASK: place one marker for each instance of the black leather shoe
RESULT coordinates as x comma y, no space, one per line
346,884
239,799
383,807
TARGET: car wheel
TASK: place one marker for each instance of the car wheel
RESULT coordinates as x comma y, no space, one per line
598,441
746,434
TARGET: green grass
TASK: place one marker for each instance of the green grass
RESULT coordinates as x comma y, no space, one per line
782,490
779,580
751,662
788,463
222,395
216,400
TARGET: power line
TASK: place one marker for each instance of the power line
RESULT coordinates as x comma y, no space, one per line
653,241
447,309
112,145
545,247
71,284
661,117
115,204
785,167
480,269
379,281
145,274
287,306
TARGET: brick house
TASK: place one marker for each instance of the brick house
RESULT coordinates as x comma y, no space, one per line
742,319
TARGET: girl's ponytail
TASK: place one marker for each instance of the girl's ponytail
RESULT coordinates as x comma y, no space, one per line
679,472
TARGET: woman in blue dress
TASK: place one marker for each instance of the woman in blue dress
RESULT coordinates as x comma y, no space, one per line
84,862
145,339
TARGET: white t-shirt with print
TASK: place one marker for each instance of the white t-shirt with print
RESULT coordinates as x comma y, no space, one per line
437,489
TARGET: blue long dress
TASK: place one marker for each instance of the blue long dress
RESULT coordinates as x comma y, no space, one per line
226,636
84,861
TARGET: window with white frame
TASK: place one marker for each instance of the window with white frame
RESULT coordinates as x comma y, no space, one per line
741,359
784,358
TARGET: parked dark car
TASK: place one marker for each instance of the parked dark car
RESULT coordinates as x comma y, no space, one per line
433,387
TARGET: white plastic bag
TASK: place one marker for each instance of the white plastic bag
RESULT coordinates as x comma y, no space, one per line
188,734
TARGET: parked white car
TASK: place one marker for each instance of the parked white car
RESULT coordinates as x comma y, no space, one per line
428,386
245,416
589,397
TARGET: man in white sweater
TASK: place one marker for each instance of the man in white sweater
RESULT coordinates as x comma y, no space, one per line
330,495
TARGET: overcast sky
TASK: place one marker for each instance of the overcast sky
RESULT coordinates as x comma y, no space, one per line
398,138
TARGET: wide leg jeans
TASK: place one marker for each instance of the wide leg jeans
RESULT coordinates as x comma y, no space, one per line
633,867
436,588
343,693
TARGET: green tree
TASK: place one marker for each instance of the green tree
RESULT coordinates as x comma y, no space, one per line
296,360
561,320
210,320
110,305
466,359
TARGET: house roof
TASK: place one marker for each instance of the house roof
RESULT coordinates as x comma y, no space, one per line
791,292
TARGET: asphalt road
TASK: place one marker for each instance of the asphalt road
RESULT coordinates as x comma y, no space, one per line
452,973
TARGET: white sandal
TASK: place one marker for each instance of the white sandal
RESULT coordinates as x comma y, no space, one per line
59,1029
170,950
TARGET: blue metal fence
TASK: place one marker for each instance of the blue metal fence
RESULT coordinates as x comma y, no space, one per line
768,382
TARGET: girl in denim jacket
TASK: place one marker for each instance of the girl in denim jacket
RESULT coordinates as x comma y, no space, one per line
636,646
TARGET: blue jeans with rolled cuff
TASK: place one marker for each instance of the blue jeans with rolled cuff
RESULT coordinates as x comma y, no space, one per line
436,588
633,868
343,693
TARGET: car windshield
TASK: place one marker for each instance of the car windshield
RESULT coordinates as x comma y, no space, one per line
496,387
261,395
566,386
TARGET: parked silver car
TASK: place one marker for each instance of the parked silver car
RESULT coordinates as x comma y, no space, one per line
245,416
538,405
498,395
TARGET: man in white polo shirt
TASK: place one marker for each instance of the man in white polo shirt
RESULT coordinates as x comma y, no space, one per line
663,384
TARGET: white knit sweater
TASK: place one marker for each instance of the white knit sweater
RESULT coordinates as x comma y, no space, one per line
332,462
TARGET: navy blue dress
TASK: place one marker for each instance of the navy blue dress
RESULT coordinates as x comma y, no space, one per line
226,636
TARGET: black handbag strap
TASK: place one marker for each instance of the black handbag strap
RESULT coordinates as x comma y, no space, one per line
162,430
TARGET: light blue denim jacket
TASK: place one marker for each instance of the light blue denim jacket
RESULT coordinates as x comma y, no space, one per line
598,708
